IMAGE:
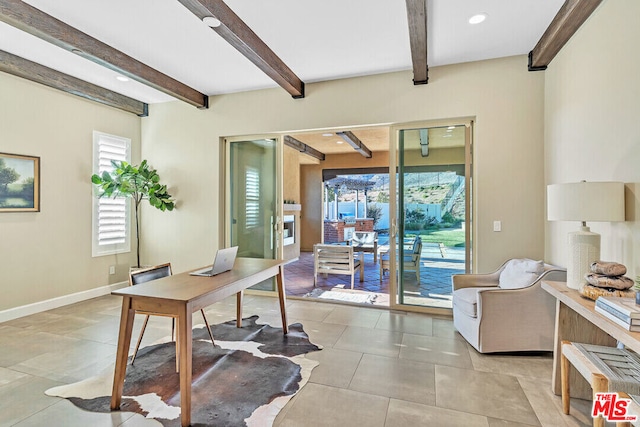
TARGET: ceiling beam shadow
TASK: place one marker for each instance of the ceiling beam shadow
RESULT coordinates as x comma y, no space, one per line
290,141
12,64
417,18
240,36
355,142
569,18
37,23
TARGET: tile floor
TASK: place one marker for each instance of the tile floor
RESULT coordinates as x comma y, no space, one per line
377,368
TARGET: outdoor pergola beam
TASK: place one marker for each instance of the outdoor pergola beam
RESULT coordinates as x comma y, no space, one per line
29,70
569,18
35,22
302,147
355,142
417,19
240,36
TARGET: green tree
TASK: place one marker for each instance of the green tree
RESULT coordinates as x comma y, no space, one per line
136,183
374,211
382,197
7,176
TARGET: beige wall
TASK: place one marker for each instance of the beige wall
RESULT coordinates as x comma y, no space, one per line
505,98
592,106
47,254
291,166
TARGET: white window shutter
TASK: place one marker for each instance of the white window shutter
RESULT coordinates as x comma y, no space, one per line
252,200
111,216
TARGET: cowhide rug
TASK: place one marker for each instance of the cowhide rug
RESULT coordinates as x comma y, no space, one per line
246,380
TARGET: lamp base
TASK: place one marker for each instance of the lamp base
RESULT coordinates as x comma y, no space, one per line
584,248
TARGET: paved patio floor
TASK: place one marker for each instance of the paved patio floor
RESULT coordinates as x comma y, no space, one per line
433,290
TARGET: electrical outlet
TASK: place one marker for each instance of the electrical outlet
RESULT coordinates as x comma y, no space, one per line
497,225
112,269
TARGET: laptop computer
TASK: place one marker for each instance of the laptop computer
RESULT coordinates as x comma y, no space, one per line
223,261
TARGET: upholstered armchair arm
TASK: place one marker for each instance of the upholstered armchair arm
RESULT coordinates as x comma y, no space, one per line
460,281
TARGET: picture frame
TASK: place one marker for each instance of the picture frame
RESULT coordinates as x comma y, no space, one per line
19,183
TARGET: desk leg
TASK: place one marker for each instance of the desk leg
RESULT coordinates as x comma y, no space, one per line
239,298
184,324
124,340
571,326
283,299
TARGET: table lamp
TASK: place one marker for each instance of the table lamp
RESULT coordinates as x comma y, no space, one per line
584,201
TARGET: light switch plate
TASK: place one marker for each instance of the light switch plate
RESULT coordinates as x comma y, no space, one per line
497,225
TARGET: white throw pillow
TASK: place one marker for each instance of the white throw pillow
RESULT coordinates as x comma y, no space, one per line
520,273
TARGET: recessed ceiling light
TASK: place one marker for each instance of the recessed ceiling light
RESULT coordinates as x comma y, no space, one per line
476,19
449,130
122,78
339,142
327,134
211,21
451,127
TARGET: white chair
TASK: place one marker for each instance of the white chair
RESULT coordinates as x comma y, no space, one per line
507,310
335,259
365,241
411,260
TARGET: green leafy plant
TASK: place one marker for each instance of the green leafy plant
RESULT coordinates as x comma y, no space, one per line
636,286
137,183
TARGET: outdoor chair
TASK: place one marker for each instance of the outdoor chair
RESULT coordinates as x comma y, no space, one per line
411,259
335,259
146,275
365,241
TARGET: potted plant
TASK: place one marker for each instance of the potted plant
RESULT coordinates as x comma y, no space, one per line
137,183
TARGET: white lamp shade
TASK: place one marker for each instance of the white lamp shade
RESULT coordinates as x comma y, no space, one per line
586,201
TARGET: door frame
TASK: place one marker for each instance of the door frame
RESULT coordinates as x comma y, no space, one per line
225,208
394,133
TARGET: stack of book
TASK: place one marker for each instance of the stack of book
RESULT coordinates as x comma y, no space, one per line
621,310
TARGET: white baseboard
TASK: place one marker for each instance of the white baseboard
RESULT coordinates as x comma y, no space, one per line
38,307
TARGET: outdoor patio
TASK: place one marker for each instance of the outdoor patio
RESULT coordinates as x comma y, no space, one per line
435,278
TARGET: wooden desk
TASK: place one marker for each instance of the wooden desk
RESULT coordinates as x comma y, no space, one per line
180,296
577,321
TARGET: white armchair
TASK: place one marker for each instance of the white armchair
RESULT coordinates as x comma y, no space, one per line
507,310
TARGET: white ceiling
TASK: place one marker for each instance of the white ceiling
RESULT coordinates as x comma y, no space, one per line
318,40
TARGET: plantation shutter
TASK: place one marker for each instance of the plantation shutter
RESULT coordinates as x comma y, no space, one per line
252,201
111,215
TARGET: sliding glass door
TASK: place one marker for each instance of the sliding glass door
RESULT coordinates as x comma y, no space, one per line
253,207
431,227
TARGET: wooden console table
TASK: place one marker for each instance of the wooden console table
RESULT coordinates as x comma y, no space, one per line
181,295
577,321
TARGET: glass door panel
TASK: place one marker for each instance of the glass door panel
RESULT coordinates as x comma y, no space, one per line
253,214
432,229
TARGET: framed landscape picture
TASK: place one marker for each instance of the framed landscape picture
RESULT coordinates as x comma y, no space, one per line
19,183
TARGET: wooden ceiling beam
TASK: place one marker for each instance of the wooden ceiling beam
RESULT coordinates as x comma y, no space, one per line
12,64
240,36
355,142
417,18
35,22
296,144
569,18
